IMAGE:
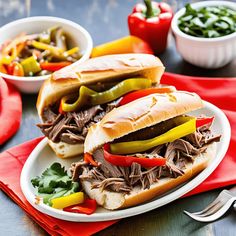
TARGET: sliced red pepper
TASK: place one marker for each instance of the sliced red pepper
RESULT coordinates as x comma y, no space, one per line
10,68
54,66
3,69
88,158
120,160
88,207
142,93
18,69
201,121
60,108
15,68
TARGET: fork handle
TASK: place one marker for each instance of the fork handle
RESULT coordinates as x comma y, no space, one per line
233,191
234,206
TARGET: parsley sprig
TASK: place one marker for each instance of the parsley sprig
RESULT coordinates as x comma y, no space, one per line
54,183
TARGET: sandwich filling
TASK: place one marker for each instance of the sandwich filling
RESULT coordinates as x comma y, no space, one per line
122,179
72,127
69,119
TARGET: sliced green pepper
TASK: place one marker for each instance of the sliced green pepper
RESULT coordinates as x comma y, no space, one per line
7,59
60,39
90,97
48,35
30,66
44,46
44,38
71,51
185,125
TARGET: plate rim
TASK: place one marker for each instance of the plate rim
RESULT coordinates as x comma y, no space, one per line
136,210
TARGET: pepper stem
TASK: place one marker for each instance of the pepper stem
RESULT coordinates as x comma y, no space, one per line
149,11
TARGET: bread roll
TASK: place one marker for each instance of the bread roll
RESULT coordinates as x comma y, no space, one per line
114,200
139,114
100,69
66,150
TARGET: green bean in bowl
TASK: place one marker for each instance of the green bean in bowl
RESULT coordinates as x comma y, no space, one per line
208,22
37,54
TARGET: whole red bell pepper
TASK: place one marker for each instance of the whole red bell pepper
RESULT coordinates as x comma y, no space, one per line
151,22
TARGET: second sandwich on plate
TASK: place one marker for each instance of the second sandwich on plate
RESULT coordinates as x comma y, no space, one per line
78,96
145,148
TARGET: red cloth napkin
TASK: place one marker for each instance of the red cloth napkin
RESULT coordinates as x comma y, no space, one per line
220,92
14,158
10,110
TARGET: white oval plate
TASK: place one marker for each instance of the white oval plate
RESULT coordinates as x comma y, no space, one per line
42,157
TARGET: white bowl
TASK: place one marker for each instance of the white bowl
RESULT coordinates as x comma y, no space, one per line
78,35
205,52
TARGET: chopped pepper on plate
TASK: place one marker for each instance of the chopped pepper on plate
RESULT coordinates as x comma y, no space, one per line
88,207
69,200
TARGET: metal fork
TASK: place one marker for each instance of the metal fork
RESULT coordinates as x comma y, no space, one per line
217,208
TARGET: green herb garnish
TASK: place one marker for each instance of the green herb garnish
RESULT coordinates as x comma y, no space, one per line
208,22
54,183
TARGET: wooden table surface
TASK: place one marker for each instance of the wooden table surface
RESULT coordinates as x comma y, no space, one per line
106,20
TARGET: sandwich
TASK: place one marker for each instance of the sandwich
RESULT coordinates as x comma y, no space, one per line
145,148
76,97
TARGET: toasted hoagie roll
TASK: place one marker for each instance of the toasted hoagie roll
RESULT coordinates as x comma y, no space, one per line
145,148
76,97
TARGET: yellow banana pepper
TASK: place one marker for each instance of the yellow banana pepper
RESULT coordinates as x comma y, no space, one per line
44,46
128,44
65,201
185,125
91,97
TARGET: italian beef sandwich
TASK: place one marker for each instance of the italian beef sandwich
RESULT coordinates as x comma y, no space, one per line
76,97
145,148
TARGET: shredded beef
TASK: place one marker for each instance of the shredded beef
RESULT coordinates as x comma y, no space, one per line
72,127
85,116
76,169
115,184
123,179
72,138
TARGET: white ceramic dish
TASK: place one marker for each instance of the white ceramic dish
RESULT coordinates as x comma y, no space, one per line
78,36
42,157
205,52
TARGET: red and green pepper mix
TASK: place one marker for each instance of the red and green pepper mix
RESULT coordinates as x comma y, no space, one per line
38,54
